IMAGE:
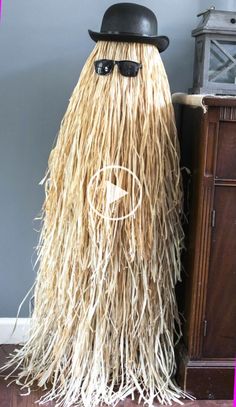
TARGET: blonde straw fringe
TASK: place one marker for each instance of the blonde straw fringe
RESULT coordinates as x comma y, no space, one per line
105,311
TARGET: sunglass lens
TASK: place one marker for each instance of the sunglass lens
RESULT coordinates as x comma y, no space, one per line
129,68
103,66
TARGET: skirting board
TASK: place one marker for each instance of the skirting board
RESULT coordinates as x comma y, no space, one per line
20,335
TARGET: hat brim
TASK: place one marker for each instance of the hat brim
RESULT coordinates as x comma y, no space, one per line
161,41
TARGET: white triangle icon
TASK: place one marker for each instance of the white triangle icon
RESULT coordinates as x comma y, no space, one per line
114,192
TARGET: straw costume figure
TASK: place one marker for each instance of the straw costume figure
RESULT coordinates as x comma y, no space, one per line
105,319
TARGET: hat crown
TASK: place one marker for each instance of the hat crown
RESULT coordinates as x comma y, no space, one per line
129,18
130,22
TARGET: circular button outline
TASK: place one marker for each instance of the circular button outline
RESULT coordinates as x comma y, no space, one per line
109,167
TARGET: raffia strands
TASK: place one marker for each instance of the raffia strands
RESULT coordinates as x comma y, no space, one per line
105,311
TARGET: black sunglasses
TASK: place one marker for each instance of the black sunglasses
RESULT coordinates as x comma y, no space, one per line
126,68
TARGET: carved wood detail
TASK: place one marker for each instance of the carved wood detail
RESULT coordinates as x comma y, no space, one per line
201,279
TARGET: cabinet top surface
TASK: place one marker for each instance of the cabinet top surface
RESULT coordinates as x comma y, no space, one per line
220,101
204,100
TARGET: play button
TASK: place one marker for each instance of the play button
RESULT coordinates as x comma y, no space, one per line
114,193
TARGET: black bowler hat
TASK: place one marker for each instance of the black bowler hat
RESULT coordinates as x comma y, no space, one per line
130,22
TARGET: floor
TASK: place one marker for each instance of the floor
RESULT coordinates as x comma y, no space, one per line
10,395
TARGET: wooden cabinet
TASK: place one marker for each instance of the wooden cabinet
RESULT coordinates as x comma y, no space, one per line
207,296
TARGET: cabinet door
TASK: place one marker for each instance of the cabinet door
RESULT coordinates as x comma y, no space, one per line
226,156
220,333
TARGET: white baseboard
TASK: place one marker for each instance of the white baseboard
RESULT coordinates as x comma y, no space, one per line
20,335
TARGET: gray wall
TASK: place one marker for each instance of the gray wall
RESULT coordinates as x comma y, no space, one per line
43,45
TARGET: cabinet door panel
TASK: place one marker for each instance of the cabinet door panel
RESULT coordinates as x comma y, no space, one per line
226,157
220,339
